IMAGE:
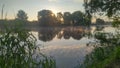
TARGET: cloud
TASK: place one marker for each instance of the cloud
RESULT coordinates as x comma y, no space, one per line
79,1
52,0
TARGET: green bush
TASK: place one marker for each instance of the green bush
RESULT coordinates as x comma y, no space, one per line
106,52
17,48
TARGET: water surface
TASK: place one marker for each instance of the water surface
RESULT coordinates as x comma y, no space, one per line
67,45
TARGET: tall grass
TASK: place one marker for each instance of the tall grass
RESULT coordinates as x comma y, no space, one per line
17,50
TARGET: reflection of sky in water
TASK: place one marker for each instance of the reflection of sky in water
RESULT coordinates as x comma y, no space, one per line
109,29
67,53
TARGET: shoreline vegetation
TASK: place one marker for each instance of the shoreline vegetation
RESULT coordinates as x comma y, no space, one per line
34,26
46,18
18,50
106,53
17,46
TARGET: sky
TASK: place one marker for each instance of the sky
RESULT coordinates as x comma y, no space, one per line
31,7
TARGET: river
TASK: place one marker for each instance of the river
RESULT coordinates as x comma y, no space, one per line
67,45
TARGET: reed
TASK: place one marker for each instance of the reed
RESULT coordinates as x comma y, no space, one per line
17,50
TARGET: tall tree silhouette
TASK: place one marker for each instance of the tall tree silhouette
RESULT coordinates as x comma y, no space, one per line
2,11
100,21
67,18
21,15
78,18
60,18
47,17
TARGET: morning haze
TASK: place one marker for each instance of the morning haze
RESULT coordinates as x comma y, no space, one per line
59,33
31,7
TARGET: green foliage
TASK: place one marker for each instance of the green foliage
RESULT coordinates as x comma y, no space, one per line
106,52
47,18
67,18
21,15
17,50
116,23
100,21
79,18
110,7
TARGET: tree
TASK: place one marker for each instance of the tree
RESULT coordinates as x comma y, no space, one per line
67,18
60,18
2,11
109,7
47,17
21,15
107,45
100,21
78,18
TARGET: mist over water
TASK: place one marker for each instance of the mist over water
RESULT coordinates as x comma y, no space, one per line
67,45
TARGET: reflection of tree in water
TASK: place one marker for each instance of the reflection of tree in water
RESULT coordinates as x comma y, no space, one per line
47,34
99,28
78,34
71,32
74,32
67,33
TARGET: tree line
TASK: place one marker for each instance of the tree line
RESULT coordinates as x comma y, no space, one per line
67,18
48,18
